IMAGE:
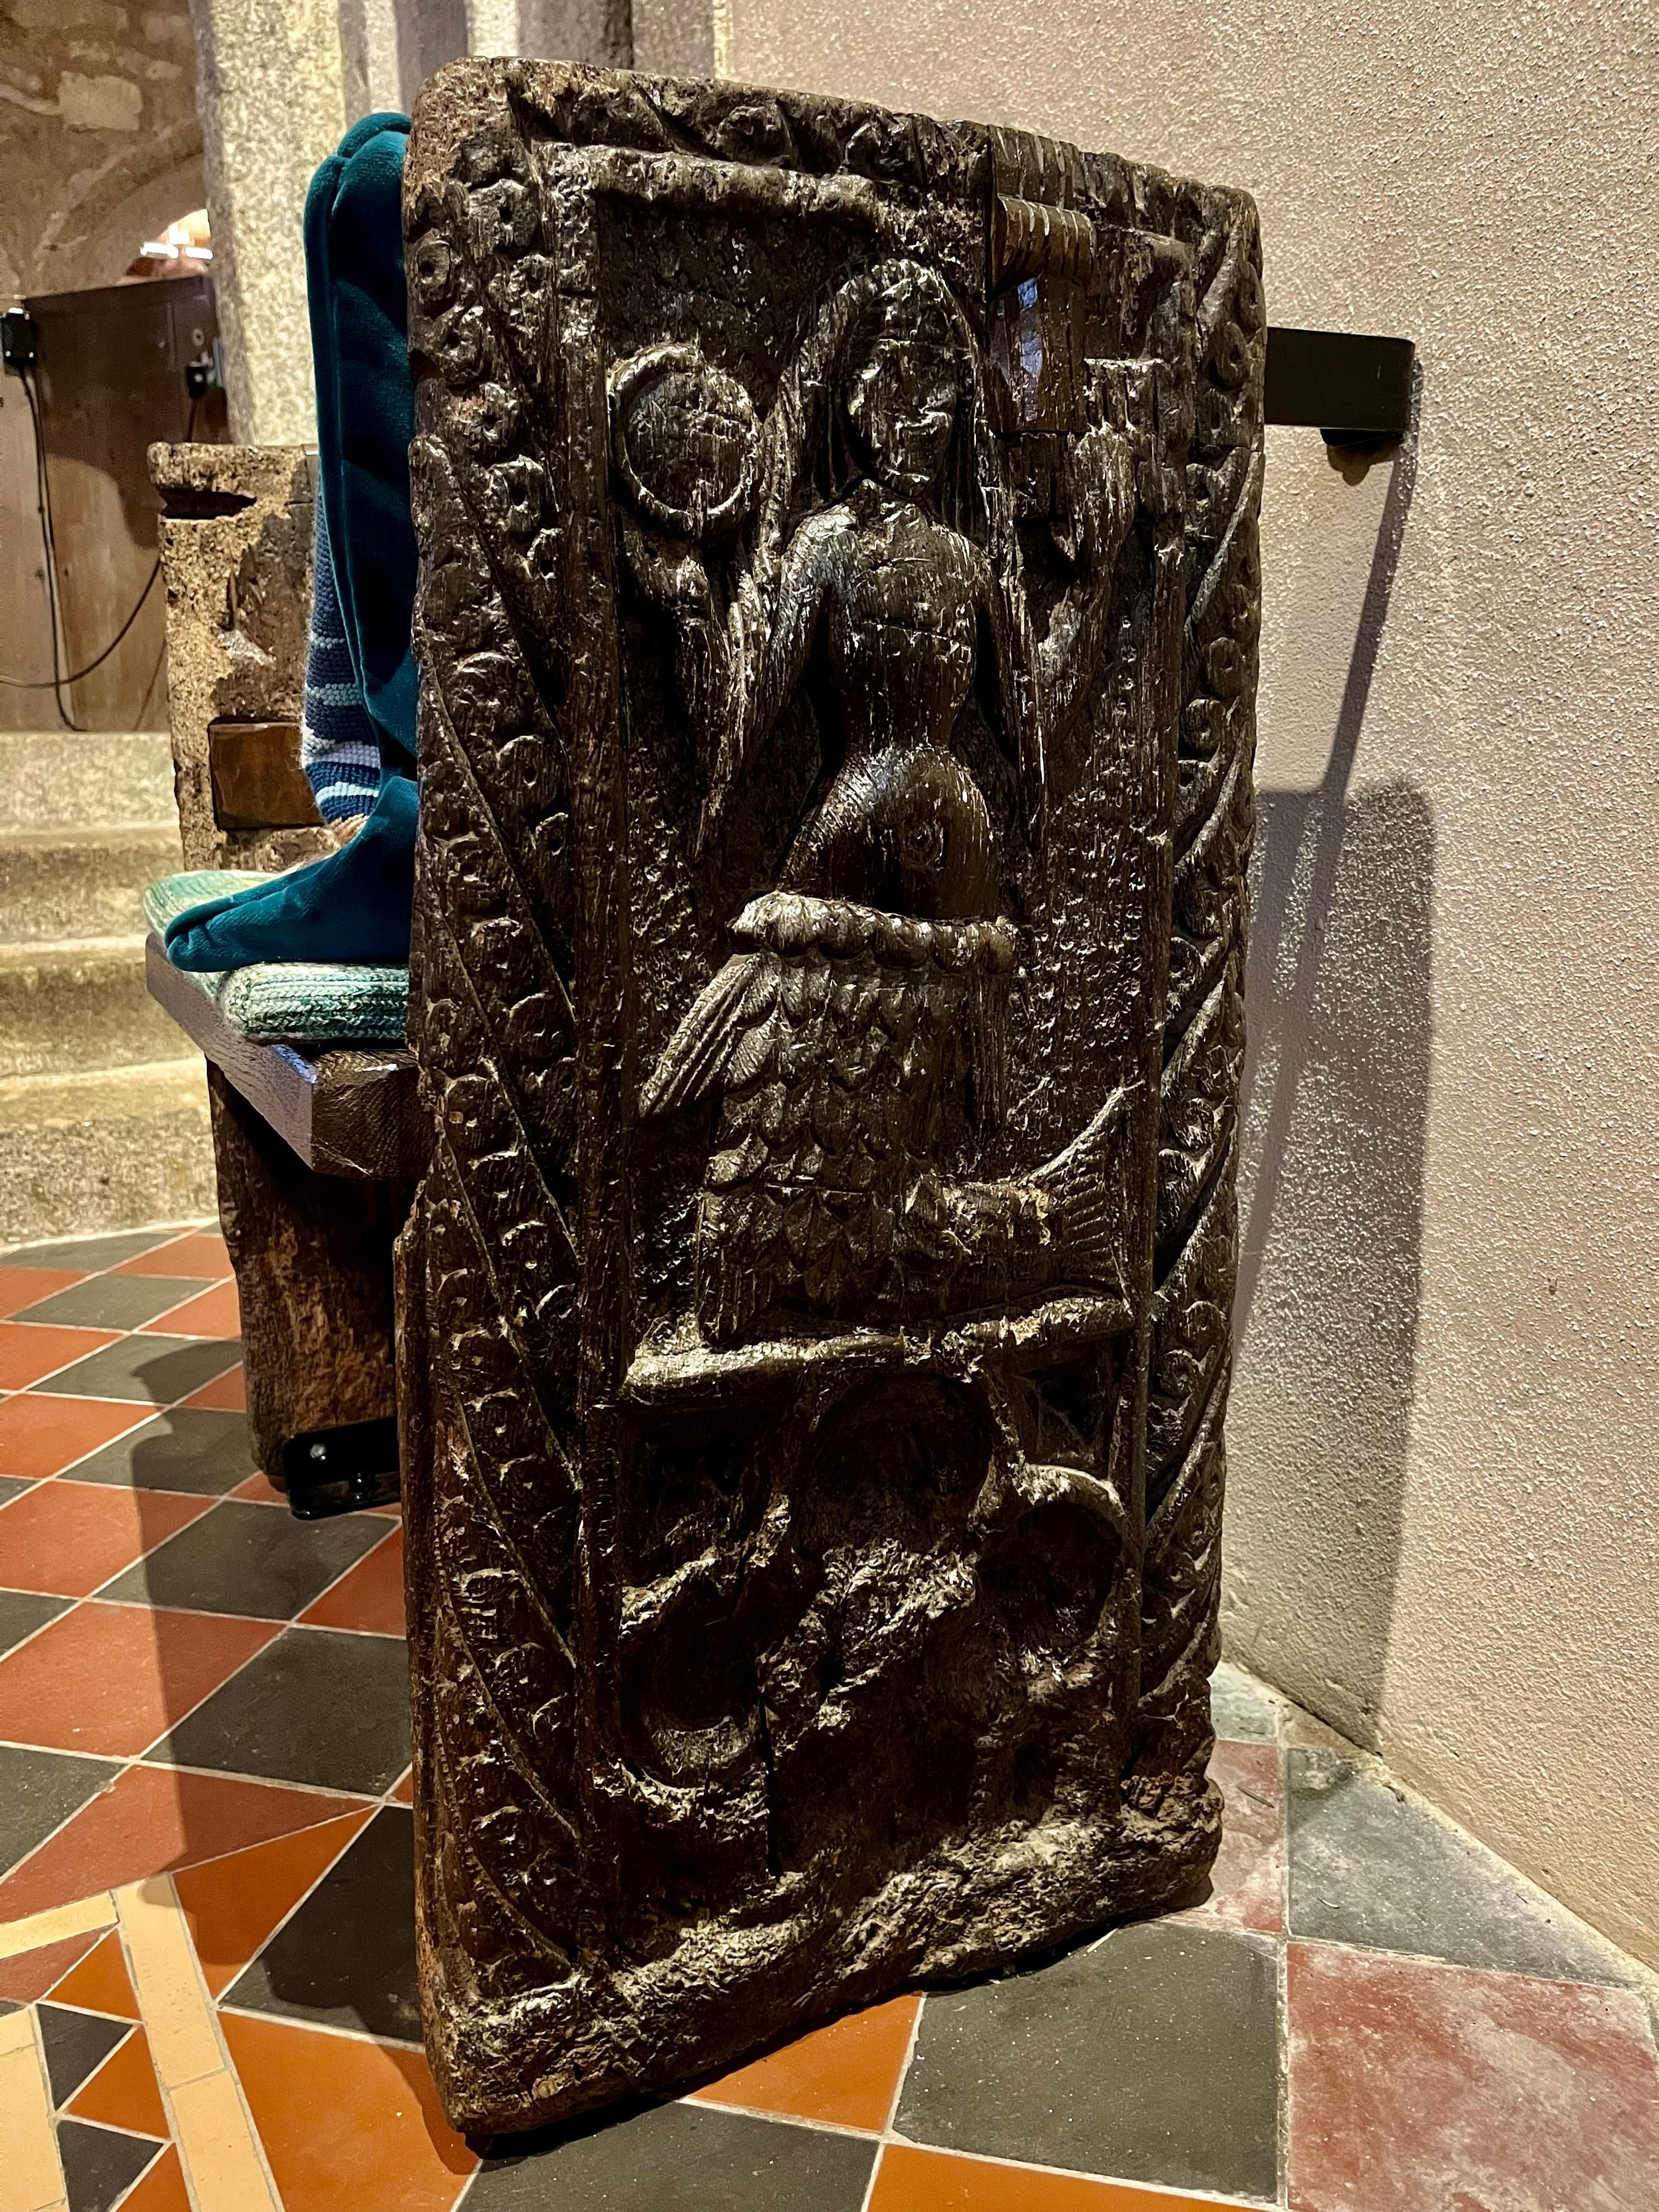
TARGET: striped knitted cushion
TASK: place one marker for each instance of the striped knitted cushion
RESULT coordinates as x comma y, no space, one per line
287,1002
339,751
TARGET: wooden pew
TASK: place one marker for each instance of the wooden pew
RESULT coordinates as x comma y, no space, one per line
317,1157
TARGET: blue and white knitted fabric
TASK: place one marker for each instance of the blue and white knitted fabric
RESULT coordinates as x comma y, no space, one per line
339,750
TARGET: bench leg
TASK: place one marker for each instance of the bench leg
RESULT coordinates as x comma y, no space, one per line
312,1257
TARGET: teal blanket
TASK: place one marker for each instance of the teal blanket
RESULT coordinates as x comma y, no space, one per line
299,1002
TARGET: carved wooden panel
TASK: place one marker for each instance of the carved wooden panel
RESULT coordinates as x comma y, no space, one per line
837,625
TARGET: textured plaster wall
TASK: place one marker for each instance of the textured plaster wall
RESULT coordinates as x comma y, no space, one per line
1444,1526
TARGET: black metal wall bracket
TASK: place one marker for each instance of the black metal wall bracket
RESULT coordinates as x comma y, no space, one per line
1356,392
341,1470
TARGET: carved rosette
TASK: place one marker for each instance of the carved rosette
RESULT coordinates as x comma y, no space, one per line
836,628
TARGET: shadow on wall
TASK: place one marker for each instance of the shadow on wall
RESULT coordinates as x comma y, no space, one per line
1331,1204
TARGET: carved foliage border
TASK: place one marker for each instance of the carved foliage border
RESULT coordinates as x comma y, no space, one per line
1195,1259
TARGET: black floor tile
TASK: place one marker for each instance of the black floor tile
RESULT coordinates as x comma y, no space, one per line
89,1253
1370,1867
1243,1711
75,2044
683,2158
347,1957
1150,2057
159,1369
244,1557
98,2165
318,1706
192,1448
13,1485
21,1612
39,1790
113,1301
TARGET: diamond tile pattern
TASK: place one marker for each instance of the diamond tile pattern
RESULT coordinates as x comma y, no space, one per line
347,1957
114,1302
75,2044
191,1682
188,1448
246,1558
316,1706
98,2165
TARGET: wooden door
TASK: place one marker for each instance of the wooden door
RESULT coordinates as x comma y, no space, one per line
112,380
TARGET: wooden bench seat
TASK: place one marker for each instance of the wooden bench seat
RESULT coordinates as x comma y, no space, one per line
317,1152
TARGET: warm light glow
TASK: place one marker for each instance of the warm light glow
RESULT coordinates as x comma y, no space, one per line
187,239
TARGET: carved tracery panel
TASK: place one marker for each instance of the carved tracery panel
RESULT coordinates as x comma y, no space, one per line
837,631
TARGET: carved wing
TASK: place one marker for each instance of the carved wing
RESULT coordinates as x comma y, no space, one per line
716,1039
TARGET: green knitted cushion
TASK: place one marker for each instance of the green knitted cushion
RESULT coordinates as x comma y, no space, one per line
287,1002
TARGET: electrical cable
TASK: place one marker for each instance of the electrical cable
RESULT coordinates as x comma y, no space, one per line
57,680
50,684
43,503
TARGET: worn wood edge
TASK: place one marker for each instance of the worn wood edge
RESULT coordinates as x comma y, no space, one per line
345,1113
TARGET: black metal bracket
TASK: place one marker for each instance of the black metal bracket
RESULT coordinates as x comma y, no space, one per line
1356,392
20,338
343,1470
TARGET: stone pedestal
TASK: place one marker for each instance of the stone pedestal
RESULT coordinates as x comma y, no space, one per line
837,624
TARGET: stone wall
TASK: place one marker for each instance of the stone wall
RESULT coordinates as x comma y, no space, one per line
102,146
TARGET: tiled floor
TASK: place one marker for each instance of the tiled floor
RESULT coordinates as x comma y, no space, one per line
207,1974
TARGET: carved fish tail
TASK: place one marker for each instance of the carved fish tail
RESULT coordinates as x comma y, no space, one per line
1081,1195
1196,1242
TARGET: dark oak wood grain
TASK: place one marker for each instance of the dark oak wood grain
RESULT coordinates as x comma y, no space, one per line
837,629
312,1257
257,781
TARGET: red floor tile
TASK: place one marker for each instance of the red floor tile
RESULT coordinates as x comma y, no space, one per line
1430,2088
123,2093
847,2073
226,1394
215,1313
258,1491
912,2180
31,1350
404,1792
1246,1883
68,1537
23,1286
110,1678
154,1821
42,1435
369,1597
233,1904
101,1981
201,1255
30,1974
346,2124
163,2189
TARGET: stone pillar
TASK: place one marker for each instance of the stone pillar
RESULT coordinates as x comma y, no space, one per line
270,91
597,31
372,55
682,38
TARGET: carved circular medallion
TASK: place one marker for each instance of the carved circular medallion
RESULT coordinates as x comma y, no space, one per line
685,440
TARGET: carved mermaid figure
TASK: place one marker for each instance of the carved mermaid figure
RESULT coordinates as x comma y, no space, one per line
857,1045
